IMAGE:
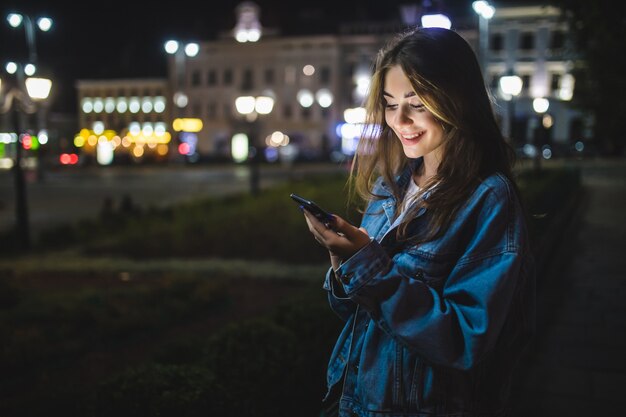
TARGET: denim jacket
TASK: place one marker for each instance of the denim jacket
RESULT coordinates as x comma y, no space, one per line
434,329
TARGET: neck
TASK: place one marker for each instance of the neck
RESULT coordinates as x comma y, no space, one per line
425,172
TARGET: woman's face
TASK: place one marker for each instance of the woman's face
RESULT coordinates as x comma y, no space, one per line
416,128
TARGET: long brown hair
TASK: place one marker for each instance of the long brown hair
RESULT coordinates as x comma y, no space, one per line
445,74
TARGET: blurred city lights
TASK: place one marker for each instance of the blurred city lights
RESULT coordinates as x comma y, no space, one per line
192,49
436,21
239,147
264,104
38,88
305,98
484,9
324,97
68,159
308,70
245,104
30,69
541,104
510,85
11,67
355,115
171,46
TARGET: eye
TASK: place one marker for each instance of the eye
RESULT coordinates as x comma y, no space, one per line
419,107
390,106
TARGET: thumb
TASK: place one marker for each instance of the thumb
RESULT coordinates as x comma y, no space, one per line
350,231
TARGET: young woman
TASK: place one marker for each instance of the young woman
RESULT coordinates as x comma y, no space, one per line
437,286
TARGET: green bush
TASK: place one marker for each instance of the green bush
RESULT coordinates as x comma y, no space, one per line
546,194
254,360
160,391
268,226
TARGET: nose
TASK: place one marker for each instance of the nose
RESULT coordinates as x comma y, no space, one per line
402,116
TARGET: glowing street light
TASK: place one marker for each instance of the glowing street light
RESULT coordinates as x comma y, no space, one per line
180,52
248,27
436,21
485,12
250,107
44,24
511,87
21,96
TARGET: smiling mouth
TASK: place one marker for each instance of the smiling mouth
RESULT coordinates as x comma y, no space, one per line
413,136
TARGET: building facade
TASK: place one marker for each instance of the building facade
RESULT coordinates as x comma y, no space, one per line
532,42
315,83
123,120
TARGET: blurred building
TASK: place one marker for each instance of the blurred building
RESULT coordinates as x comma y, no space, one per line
123,120
532,42
318,83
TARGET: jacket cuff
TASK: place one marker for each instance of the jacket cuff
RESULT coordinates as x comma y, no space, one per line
361,267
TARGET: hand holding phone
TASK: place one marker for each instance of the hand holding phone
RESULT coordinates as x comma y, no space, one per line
319,213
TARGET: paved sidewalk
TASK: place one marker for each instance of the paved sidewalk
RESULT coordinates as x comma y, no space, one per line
577,366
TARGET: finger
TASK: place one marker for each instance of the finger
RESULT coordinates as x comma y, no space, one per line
315,227
345,227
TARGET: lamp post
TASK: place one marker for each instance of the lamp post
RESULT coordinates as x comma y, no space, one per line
540,106
44,24
180,52
21,96
511,87
251,108
485,11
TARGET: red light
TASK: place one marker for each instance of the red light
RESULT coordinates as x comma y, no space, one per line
183,149
27,141
68,158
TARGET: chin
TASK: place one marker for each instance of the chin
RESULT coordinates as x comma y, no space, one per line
413,153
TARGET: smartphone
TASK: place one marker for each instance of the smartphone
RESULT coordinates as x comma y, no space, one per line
321,214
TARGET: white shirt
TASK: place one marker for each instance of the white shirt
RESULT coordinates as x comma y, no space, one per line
410,196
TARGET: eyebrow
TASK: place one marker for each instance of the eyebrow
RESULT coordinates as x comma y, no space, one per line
406,95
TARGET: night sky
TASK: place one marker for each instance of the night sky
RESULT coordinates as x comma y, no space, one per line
124,39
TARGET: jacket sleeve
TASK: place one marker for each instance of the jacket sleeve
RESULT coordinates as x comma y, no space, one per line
458,324
339,302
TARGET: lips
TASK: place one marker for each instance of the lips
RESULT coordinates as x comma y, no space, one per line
412,137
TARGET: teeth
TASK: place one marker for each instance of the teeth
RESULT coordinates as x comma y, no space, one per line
412,136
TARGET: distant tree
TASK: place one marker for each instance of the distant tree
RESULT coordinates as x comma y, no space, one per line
598,28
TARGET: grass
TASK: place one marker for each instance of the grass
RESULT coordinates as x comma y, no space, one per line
189,310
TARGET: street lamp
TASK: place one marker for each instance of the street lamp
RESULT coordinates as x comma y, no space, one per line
511,87
19,98
191,49
485,12
544,122
437,20
250,108
180,52
44,24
